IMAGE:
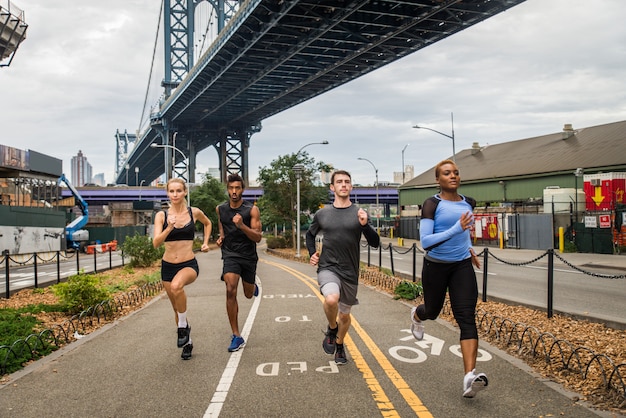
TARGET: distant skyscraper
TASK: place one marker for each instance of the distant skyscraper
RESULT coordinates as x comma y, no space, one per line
98,179
81,170
409,173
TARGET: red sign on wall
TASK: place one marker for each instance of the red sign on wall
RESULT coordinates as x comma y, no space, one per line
605,191
605,221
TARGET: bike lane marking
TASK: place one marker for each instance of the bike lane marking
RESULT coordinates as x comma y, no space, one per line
221,392
384,404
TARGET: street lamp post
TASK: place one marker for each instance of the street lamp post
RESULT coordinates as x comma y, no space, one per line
446,135
127,168
403,162
155,145
299,169
377,207
141,184
577,173
312,143
136,175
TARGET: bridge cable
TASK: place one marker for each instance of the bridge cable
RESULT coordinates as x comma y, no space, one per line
156,38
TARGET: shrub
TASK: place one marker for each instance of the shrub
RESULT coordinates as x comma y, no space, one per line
80,292
569,247
408,290
141,250
276,242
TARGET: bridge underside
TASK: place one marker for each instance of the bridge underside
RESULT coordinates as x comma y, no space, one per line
276,54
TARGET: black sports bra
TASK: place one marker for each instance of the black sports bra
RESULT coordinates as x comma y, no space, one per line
186,233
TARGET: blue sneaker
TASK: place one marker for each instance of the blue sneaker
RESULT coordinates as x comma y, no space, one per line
236,343
256,290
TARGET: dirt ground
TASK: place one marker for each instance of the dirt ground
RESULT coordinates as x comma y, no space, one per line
596,337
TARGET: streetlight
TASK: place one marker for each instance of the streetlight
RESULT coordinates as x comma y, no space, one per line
136,175
127,168
577,173
155,145
446,135
403,162
141,184
299,169
377,208
312,143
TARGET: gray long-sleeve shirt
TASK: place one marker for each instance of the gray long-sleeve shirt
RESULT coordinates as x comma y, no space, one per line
342,237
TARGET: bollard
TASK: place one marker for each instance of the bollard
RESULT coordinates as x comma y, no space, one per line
550,282
400,242
485,258
58,266
414,261
561,240
5,253
35,270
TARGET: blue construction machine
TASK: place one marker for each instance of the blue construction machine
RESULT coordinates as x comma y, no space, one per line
75,236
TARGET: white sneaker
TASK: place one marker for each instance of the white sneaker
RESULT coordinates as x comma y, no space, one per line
417,328
474,383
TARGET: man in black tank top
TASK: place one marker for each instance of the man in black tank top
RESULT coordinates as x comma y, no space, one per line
239,224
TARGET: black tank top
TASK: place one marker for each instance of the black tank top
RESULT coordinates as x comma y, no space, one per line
236,243
186,233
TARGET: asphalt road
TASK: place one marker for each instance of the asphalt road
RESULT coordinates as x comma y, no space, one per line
133,368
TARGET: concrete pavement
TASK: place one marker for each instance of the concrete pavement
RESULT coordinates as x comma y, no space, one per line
132,368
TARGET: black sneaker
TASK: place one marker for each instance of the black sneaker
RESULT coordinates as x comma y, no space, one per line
329,340
340,355
186,354
183,336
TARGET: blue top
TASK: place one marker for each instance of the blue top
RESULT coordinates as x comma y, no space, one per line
441,233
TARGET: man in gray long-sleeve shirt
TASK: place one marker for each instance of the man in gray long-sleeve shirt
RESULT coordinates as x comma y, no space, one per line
338,229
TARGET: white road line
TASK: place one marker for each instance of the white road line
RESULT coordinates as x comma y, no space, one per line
219,396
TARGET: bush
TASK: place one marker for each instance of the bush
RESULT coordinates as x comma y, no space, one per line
408,290
141,250
80,292
276,242
569,247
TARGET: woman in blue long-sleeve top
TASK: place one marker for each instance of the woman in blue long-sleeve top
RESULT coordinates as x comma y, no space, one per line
445,236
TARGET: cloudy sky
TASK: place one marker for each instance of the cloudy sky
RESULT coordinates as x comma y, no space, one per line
83,73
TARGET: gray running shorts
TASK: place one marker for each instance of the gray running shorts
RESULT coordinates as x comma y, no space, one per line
347,291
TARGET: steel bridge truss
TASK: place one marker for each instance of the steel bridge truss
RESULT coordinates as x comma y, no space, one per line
276,54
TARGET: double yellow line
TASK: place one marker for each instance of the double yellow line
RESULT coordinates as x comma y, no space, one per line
382,400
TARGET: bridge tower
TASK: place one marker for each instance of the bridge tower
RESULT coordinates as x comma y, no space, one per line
182,43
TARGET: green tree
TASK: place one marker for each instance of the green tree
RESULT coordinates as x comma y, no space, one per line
207,196
278,203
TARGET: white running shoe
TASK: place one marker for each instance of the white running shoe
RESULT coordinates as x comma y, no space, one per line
417,327
474,383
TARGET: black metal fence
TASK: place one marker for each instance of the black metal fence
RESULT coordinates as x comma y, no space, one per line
414,249
36,261
36,345
560,354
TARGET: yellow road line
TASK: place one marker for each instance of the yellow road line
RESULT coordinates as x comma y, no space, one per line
384,405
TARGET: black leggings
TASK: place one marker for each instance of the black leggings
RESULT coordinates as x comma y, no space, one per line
459,279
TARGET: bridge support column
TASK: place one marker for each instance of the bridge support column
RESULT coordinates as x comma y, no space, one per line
234,157
191,163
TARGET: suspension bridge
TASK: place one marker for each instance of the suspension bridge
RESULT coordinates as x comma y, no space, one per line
263,57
